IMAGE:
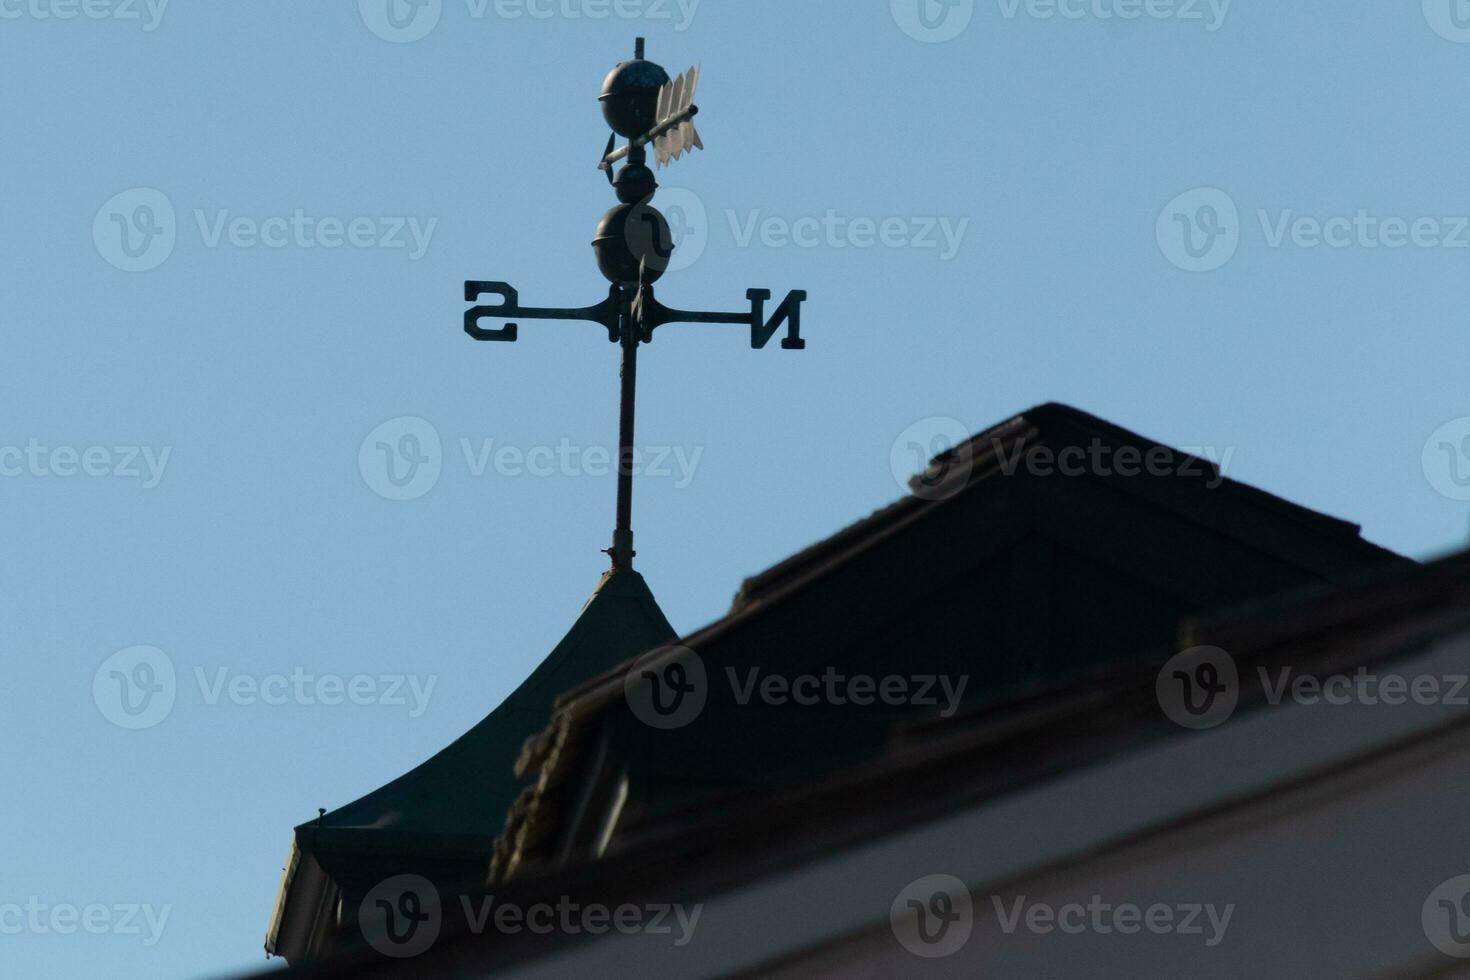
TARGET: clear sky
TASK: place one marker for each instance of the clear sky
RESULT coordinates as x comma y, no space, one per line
234,241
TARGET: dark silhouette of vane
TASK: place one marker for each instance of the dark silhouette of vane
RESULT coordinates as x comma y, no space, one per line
633,246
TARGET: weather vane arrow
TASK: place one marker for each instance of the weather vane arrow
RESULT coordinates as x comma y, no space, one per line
633,246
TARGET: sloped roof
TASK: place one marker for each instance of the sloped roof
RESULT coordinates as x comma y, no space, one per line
455,803
936,769
968,490
465,788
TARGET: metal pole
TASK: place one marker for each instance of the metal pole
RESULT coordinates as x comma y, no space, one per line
622,550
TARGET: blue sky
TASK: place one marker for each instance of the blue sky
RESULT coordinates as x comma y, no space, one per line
1235,227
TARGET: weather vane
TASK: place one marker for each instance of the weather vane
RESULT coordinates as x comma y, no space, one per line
633,246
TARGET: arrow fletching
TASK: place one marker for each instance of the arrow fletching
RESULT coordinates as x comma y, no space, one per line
676,99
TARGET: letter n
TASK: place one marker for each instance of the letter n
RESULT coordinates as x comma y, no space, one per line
789,312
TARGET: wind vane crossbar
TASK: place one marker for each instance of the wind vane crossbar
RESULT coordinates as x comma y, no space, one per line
643,313
633,246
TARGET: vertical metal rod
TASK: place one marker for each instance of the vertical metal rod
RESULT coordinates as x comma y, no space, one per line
638,49
622,549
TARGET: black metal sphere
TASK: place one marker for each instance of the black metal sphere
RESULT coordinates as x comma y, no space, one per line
635,184
630,97
631,235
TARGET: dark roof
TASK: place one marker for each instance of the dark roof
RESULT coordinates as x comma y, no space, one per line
1058,426
1178,545
454,804
935,768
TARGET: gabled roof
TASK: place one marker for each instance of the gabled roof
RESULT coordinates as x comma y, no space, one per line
453,805
1239,510
1171,546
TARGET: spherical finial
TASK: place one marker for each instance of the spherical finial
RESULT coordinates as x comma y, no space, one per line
630,97
635,183
631,236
